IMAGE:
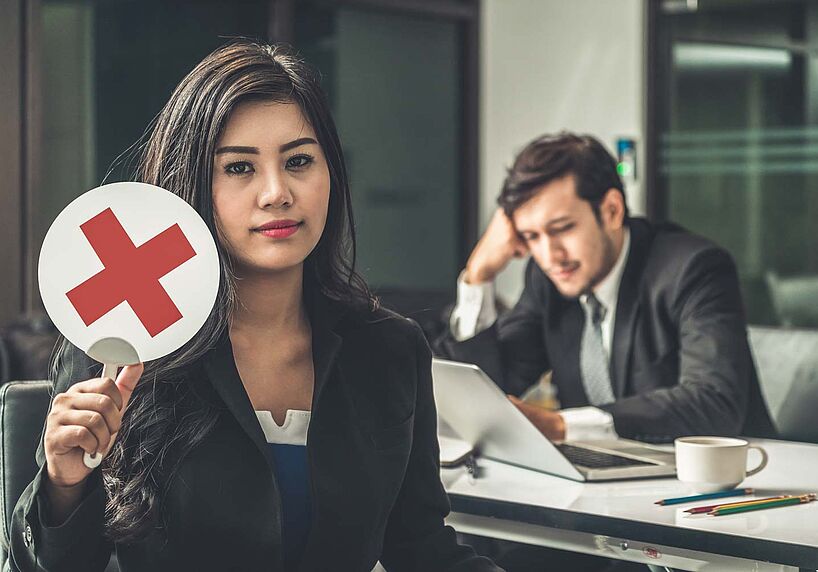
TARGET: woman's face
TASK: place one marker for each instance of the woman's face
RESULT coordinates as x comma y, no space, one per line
271,187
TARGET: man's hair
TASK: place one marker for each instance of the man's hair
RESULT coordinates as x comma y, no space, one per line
552,157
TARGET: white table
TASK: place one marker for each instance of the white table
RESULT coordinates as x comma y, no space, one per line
620,519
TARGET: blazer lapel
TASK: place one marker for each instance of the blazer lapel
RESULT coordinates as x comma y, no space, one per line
627,307
324,316
326,344
220,366
564,340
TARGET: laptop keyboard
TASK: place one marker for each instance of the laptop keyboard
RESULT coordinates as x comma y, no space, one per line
595,459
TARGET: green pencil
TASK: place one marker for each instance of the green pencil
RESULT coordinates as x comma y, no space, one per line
762,505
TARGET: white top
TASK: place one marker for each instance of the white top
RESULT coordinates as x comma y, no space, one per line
475,312
292,432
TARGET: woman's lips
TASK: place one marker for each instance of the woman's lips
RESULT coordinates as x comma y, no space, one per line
280,231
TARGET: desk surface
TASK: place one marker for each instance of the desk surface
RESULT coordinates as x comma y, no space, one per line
626,508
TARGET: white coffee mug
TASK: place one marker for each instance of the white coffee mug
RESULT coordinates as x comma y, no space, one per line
710,464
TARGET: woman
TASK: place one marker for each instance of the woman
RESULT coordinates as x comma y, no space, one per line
208,462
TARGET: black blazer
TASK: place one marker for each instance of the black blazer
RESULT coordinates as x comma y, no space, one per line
373,463
680,361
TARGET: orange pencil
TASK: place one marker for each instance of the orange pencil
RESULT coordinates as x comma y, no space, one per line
764,505
701,509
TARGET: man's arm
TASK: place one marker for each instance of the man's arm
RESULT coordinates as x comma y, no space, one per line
715,364
511,351
474,310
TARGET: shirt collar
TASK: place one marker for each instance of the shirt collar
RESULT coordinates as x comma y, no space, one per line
607,291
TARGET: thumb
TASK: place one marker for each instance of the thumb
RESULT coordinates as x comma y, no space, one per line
514,399
126,381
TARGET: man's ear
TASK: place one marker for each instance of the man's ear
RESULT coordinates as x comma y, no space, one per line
612,209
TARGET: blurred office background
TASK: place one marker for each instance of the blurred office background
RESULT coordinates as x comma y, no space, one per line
432,99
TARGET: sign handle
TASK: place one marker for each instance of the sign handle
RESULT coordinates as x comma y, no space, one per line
109,370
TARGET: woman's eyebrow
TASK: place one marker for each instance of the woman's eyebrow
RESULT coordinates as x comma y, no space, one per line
297,143
237,149
255,151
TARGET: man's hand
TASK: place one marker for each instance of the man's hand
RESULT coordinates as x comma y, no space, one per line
550,423
498,245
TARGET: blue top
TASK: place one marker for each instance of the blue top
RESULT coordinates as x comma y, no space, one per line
288,447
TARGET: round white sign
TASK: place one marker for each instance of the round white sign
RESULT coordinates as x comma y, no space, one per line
130,261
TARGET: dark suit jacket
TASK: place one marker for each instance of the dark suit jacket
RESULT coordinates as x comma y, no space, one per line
680,362
373,462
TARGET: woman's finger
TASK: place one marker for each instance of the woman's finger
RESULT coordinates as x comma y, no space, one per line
68,437
98,403
102,385
91,420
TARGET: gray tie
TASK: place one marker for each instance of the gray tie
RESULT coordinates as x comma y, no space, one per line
593,362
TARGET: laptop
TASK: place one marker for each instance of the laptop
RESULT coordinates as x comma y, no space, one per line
480,413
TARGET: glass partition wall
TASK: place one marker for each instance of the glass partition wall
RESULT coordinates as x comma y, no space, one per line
734,117
401,76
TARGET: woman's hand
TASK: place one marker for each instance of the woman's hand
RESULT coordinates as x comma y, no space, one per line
85,419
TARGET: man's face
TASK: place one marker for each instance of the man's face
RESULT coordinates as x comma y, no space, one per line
574,248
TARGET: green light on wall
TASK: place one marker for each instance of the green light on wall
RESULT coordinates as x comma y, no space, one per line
624,169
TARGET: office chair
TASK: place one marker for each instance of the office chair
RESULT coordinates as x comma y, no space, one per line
23,408
787,366
795,299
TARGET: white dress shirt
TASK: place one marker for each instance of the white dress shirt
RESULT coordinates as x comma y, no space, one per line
475,312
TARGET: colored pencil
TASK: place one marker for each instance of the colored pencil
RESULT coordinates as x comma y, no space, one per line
761,506
694,498
703,509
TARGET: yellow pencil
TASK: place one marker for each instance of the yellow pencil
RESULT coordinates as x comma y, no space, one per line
769,504
702,509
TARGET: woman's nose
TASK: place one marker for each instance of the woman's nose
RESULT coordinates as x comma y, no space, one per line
275,192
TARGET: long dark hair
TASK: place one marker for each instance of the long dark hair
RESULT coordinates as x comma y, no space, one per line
177,155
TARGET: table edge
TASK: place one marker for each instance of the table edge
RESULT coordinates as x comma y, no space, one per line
788,554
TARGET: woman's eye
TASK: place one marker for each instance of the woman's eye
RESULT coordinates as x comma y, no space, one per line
239,168
299,161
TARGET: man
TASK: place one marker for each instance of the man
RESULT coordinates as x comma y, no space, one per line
642,325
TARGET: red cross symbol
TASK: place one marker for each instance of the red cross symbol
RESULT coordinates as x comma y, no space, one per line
131,273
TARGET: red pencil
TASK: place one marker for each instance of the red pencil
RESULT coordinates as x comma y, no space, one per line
704,509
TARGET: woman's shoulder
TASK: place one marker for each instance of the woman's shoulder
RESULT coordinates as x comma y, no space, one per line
383,324
383,356
380,320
